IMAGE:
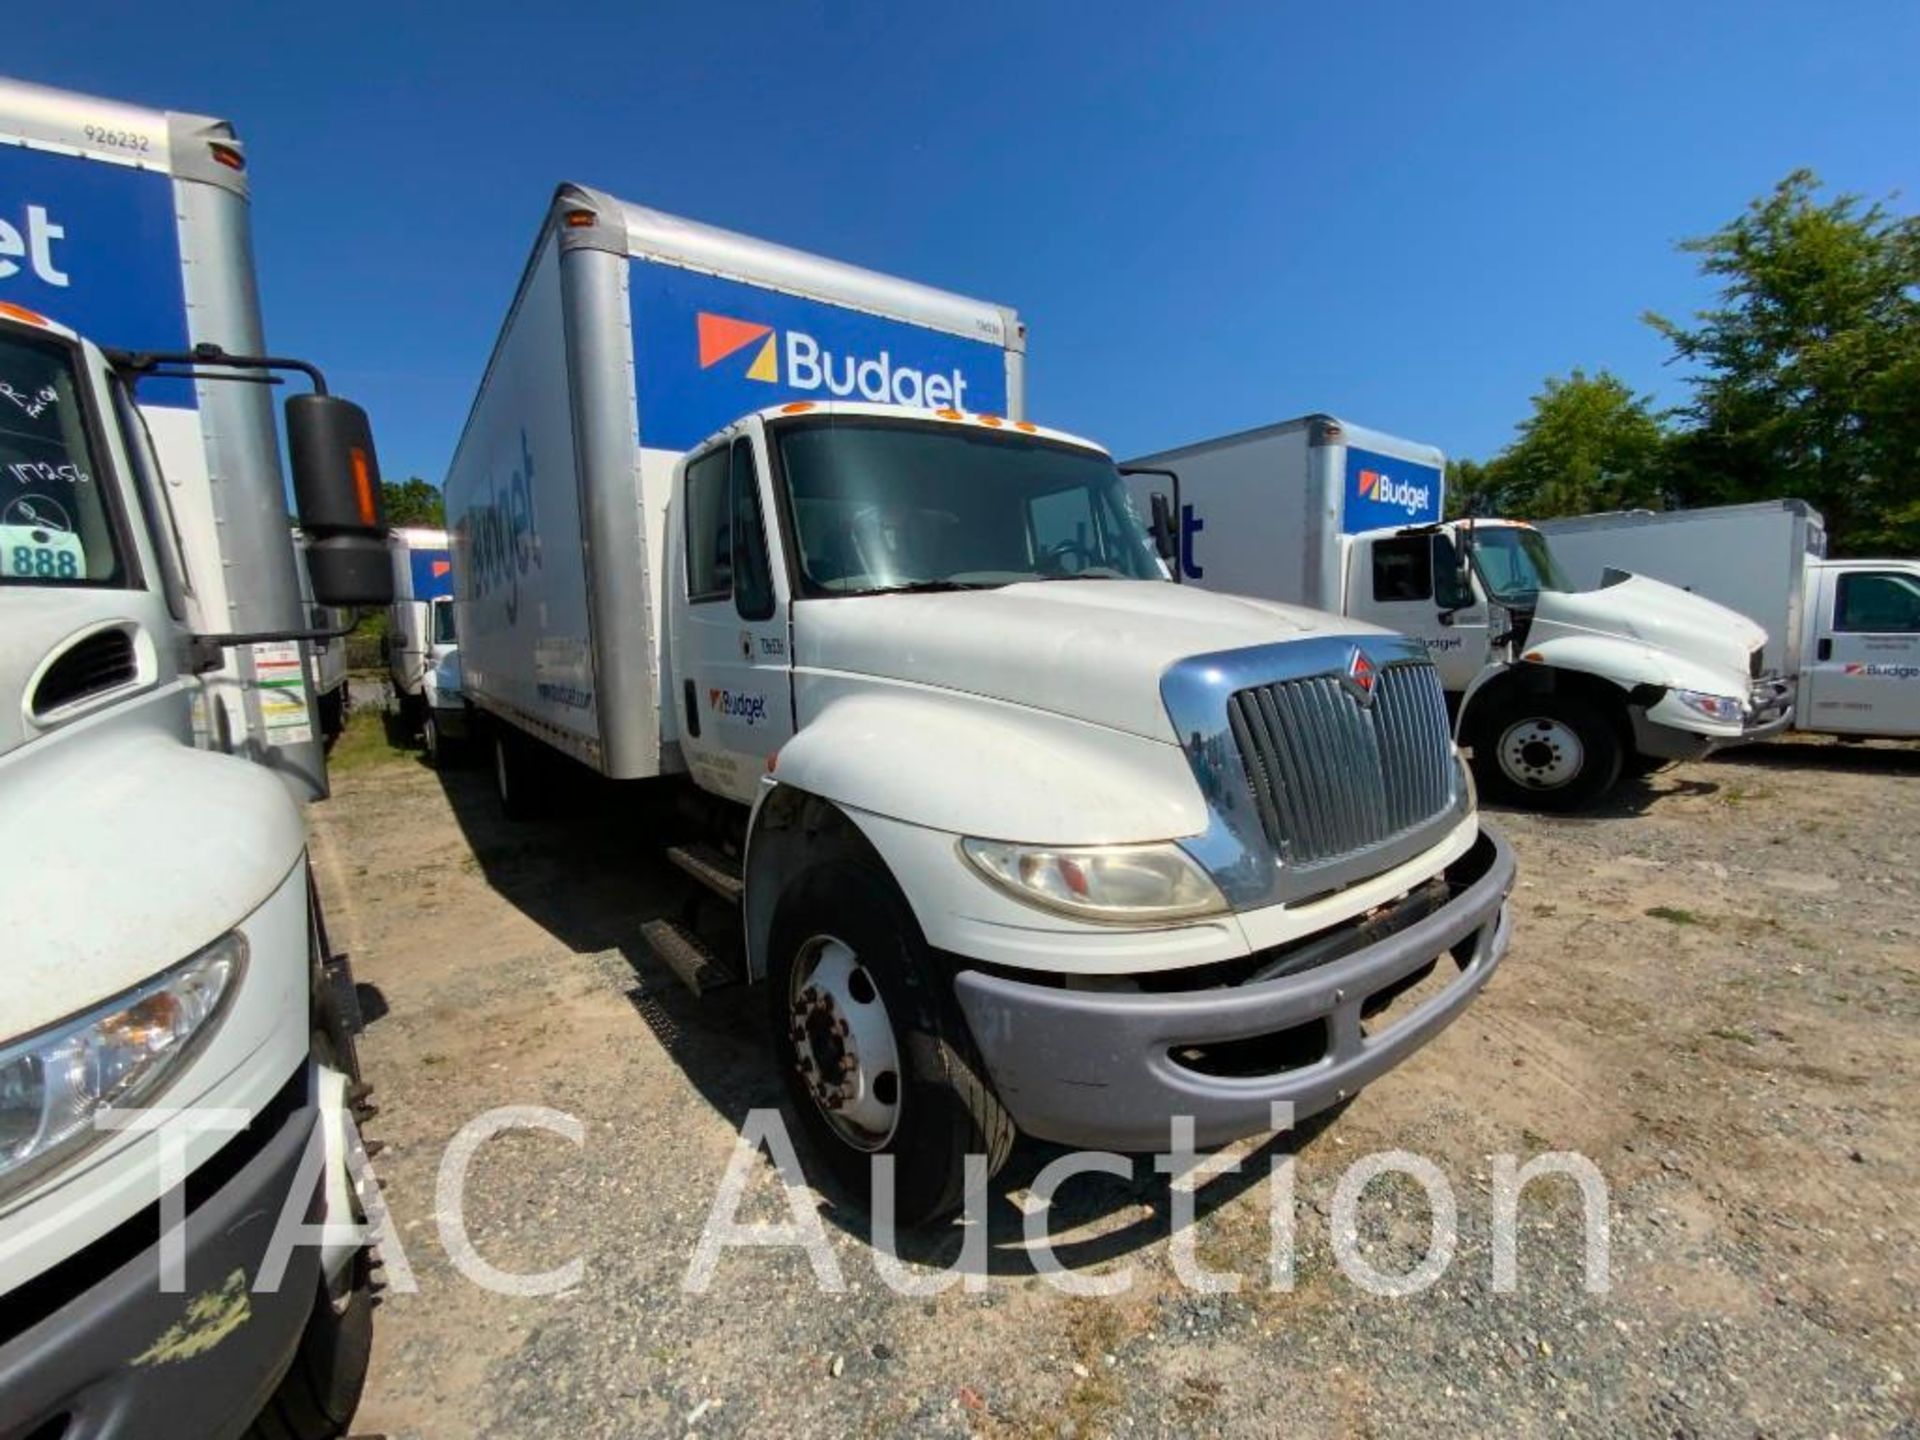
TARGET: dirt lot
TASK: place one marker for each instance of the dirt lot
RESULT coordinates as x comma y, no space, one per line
1713,994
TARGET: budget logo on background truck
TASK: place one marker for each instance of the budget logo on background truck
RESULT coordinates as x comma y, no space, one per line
165,958
1558,692
1017,834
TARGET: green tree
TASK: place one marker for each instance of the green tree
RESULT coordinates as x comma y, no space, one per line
1474,487
1590,444
417,502
1808,371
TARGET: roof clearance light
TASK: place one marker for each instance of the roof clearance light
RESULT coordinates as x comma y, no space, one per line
227,155
1026,425
581,219
993,422
20,312
949,413
798,407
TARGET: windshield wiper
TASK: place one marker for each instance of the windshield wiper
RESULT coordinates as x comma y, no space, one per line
929,587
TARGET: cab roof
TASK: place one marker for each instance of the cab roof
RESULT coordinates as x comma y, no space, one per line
794,408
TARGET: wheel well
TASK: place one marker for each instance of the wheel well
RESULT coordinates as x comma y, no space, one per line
1523,682
791,831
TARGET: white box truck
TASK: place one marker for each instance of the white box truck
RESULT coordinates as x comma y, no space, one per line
1557,690
1846,632
1019,834
165,955
420,620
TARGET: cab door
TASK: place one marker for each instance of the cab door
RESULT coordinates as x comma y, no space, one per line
1412,583
730,637
1865,666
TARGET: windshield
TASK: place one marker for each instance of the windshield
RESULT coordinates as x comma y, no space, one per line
1515,563
443,622
55,528
883,504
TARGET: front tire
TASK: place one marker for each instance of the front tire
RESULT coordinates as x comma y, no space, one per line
1554,752
876,1055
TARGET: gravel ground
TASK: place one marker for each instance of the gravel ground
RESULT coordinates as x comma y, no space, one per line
1712,994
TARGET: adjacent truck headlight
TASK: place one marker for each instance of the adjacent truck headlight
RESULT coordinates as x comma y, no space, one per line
1727,709
1113,883
120,1055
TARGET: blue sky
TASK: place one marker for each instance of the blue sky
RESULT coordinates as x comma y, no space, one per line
1210,216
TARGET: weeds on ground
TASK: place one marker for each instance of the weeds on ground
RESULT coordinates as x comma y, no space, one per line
368,742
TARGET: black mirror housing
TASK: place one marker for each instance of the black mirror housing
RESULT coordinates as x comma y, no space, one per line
336,490
1166,536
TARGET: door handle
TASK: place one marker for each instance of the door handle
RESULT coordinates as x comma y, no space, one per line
693,709
1824,651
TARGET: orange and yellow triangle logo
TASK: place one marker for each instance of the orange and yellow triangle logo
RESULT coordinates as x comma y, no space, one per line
722,335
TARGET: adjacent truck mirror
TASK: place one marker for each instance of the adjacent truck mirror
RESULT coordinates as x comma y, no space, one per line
336,489
1166,535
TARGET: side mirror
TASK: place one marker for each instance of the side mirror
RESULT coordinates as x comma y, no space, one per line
336,489
1166,534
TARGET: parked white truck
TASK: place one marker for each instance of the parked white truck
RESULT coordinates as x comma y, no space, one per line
166,975
1019,833
1557,690
1847,632
420,620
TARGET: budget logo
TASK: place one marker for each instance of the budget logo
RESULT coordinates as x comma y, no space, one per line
1383,489
722,336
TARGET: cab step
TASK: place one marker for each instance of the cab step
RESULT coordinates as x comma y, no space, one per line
712,867
688,956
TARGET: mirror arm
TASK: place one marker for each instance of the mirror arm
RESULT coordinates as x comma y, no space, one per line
1174,477
204,650
137,365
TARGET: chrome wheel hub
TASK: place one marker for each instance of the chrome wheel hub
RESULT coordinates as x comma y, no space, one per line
843,1043
1541,753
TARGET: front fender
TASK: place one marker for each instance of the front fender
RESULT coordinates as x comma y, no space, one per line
1629,663
971,766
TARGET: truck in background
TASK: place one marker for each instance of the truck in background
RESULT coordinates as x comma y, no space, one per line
1846,632
166,952
1016,833
1557,691
420,621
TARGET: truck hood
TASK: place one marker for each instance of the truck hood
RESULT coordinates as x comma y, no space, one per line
132,851
1659,616
1091,650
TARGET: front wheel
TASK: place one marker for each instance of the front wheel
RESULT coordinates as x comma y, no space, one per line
1549,752
877,1057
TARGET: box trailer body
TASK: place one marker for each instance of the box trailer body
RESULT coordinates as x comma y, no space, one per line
632,338
165,960
1558,691
417,639
777,531
1847,632
132,226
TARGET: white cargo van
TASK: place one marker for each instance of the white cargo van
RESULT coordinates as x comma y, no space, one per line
1846,631
1018,833
1558,690
165,955
420,620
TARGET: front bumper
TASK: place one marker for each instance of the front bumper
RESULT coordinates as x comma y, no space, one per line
107,1354
1099,1068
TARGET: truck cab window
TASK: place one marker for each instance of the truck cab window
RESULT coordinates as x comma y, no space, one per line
56,522
1877,602
443,632
1402,569
709,523
752,575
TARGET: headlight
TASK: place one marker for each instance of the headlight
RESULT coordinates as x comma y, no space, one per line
1727,709
53,1084
1114,883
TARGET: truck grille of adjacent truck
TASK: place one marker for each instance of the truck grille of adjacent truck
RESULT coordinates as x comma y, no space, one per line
1331,776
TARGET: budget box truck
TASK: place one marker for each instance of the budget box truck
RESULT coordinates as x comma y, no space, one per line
1019,835
420,620
1845,632
166,963
1557,690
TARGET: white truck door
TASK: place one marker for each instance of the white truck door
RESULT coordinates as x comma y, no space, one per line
1411,583
1865,663
730,647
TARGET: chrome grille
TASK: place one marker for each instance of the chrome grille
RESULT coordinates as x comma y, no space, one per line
1331,776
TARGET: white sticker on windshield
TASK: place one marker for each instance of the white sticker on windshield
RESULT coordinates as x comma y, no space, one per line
40,552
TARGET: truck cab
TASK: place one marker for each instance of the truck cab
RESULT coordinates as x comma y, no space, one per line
173,1010
1860,651
1034,838
1562,689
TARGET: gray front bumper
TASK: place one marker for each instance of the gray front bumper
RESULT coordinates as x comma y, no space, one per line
1097,1068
